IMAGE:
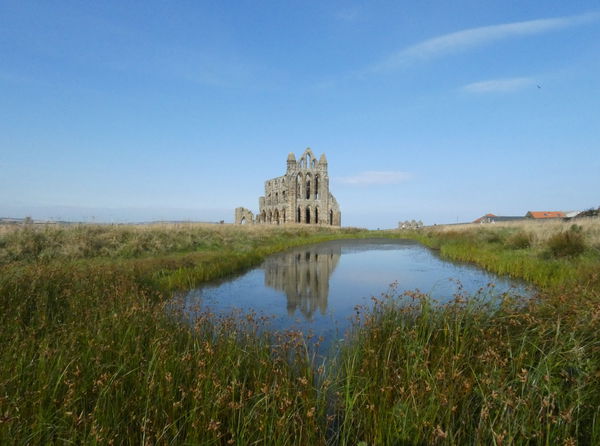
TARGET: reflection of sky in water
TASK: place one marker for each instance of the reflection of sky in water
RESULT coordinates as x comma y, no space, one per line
317,287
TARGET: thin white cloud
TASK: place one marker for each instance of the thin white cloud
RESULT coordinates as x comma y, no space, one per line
375,177
499,85
476,37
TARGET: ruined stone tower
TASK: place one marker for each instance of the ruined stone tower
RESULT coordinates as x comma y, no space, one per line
300,196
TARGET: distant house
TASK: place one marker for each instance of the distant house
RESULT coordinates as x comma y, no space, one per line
538,215
491,218
589,213
572,214
485,219
412,224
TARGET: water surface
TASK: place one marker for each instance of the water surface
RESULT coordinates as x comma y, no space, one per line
316,288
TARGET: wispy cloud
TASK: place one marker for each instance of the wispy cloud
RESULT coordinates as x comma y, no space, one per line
376,177
499,85
476,37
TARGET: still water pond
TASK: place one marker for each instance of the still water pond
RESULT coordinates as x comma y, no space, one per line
316,288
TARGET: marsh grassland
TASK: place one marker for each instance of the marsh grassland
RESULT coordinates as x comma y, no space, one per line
90,353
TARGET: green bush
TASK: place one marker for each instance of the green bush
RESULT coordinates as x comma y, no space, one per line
566,244
493,236
519,240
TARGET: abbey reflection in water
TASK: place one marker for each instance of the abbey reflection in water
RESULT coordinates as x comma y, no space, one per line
303,275
319,279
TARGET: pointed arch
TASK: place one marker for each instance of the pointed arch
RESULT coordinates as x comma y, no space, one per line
308,159
316,215
299,185
316,187
307,214
307,183
331,217
299,215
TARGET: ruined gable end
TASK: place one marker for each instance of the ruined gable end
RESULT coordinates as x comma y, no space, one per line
299,196
243,216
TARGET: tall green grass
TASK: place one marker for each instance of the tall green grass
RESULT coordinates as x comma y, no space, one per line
96,358
473,372
563,259
94,351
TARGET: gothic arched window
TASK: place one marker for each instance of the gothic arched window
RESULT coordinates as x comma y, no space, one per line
299,186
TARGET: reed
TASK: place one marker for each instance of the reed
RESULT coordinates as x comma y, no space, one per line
550,255
474,371
94,350
85,241
93,357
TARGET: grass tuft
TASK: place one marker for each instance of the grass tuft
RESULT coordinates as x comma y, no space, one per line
94,350
567,244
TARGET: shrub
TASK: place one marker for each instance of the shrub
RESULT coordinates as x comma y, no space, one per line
566,244
519,240
493,236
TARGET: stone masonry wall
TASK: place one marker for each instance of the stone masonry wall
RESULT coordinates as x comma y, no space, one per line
300,196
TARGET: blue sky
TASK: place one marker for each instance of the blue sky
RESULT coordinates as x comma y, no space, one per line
440,111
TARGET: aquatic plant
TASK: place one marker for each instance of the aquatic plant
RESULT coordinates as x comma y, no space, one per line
93,350
472,372
556,257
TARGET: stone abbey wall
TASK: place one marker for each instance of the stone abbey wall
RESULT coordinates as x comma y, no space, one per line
300,196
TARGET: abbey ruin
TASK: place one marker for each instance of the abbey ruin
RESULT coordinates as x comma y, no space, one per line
300,196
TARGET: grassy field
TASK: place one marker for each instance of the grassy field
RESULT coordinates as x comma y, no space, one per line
480,372
90,353
550,254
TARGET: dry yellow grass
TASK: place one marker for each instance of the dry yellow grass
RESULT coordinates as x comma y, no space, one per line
541,230
76,241
148,227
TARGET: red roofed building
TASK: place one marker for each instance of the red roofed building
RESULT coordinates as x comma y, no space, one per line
545,214
492,218
485,219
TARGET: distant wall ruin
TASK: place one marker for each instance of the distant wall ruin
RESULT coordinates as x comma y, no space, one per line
243,216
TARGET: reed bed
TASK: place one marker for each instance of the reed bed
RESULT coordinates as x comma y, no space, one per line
540,230
473,371
550,254
96,358
95,352
84,241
